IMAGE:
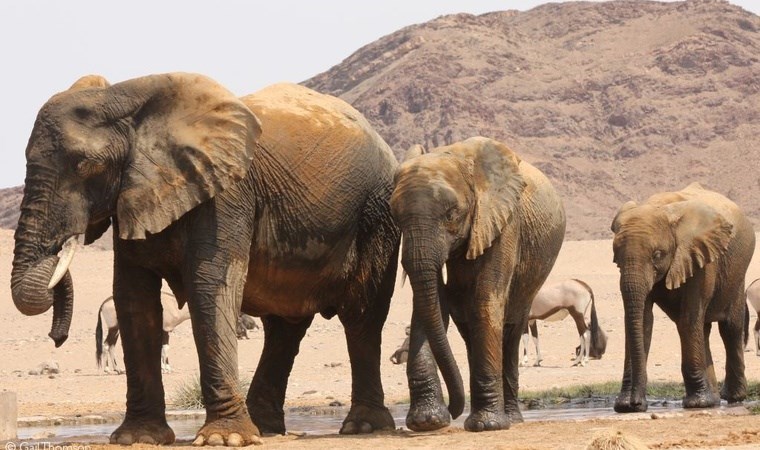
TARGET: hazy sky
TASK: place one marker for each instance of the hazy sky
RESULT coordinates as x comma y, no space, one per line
45,45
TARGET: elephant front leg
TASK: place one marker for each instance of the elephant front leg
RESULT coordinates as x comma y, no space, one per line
138,310
487,411
215,297
694,366
266,395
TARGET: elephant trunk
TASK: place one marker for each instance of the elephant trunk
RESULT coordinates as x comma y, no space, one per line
635,289
33,272
425,278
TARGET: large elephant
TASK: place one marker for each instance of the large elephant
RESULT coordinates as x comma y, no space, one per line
286,223
688,252
496,225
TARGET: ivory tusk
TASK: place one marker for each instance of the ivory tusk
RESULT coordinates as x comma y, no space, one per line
444,275
64,259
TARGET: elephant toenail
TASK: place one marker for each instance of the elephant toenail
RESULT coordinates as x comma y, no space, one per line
348,428
365,428
145,439
124,439
235,440
215,440
200,440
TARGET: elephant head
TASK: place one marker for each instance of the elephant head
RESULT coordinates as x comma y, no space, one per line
144,151
661,243
450,203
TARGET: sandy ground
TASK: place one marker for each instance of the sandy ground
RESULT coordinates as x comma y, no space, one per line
322,372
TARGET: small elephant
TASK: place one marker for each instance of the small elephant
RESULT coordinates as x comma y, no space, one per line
275,204
496,224
687,252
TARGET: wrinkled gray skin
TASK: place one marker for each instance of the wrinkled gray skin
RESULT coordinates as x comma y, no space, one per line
497,224
284,224
687,252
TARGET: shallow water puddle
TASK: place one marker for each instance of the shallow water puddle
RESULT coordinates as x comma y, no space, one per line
310,422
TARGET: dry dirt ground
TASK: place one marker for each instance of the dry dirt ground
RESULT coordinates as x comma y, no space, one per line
321,372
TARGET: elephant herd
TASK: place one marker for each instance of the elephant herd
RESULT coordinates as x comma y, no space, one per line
286,203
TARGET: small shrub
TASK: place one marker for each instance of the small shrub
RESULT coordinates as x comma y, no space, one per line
188,395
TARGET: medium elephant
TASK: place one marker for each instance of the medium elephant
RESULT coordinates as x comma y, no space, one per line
495,224
284,223
687,252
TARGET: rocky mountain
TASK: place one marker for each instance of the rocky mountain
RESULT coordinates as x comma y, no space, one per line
613,101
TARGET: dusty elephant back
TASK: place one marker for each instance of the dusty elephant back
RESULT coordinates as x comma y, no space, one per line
316,150
296,117
695,191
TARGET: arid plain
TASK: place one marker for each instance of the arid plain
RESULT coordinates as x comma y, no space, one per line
321,372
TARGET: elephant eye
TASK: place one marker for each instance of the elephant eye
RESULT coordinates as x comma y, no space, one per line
452,214
658,255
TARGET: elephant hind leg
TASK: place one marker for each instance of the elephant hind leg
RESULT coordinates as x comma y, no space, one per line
735,386
363,336
266,396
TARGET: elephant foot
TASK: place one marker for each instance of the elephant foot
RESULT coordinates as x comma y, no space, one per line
268,420
733,395
701,400
428,417
624,403
229,431
364,420
514,414
136,431
734,389
486,421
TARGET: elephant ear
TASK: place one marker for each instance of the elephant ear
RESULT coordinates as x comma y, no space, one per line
498,185
413,152
702,236
191,140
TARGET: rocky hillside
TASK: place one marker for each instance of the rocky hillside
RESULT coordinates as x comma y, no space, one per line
613,101
10,200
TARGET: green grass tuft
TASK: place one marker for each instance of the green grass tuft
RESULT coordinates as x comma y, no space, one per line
668,391
188,394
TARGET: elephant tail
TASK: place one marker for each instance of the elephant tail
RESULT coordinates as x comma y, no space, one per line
99,337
